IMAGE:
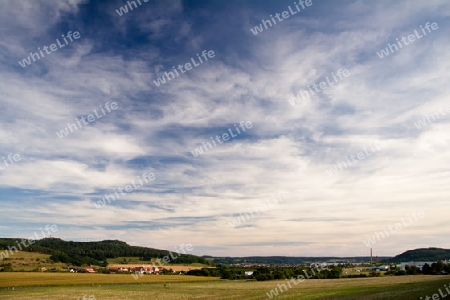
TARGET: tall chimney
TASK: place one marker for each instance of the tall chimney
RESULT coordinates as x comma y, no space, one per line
370,256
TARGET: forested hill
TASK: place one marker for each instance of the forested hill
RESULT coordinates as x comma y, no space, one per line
95,253
288,259
423,254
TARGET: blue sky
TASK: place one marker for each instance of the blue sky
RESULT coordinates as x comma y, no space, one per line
251,78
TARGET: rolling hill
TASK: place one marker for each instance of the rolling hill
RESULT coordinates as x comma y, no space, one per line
423,254
93,253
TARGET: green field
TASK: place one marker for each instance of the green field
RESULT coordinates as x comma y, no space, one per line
178,287
135,260
31,261
29,279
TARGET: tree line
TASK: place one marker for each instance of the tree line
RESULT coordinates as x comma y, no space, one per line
268,273
94,253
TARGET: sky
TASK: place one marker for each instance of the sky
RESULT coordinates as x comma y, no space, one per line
298,134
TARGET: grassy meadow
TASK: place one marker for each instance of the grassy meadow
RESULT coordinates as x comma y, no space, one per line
135,260
72,286
31,261
29,279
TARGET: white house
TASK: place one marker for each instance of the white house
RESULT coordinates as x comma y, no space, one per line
380,268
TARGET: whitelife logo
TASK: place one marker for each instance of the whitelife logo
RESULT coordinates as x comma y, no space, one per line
397,226
72,126
166,258
437,296
128,189
27,61
331,171
285,14
26,243
423,122
187,66
300,278
11,158
323,85
224,136
411,38
124,9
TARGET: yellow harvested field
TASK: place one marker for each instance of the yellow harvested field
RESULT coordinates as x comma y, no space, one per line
167,288
16,279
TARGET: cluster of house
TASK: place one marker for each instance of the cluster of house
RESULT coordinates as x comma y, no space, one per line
380,268
137,269
75,269
402,266
133,269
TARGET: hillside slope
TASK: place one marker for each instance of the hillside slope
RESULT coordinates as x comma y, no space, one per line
423,254
94,253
